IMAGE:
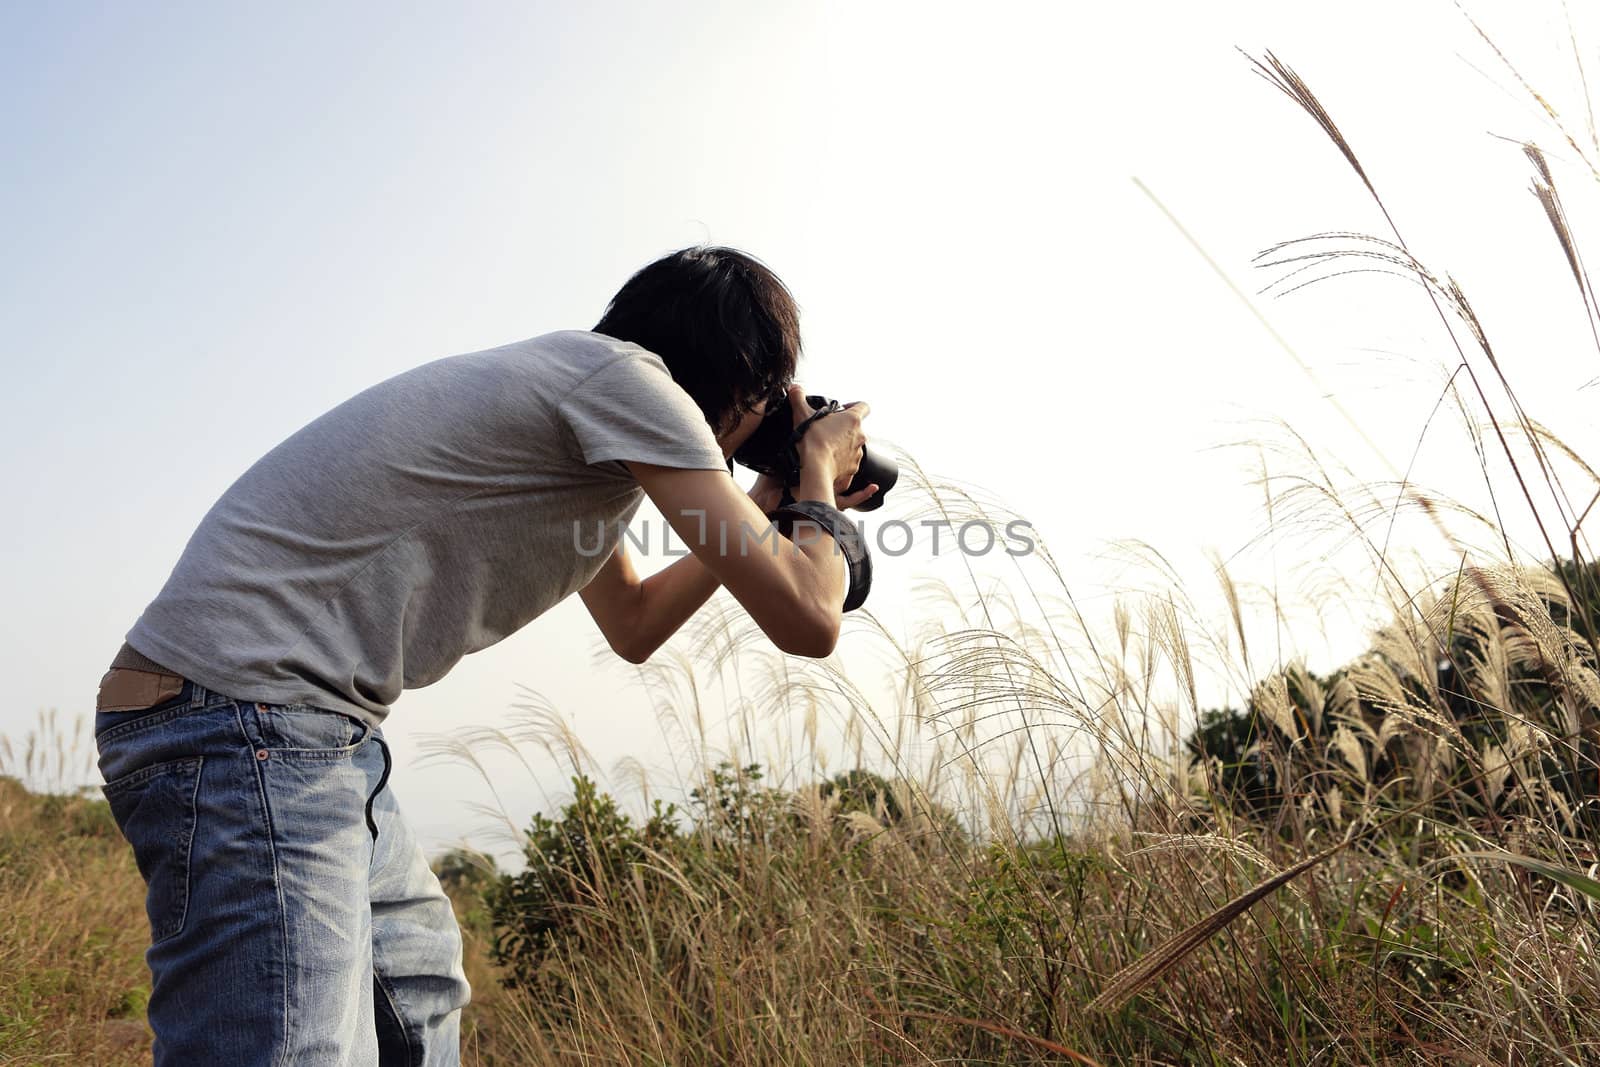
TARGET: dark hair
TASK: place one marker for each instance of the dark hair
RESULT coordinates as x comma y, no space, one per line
726,327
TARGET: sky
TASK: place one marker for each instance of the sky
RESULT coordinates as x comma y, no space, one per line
1023,232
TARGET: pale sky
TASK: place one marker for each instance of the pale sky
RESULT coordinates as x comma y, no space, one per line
220,223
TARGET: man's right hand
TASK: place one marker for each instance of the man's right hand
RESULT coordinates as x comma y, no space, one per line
831,448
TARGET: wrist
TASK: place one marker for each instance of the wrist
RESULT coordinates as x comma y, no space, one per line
816,483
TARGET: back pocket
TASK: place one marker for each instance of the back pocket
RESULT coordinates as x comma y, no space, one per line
155,808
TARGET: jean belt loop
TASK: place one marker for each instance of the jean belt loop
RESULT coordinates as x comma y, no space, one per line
197,693
382,780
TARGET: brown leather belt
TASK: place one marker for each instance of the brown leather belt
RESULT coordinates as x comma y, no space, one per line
135,681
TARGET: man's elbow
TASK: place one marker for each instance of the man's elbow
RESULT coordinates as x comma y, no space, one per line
633,651
813,642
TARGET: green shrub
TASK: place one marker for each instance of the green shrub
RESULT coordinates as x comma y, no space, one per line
573,861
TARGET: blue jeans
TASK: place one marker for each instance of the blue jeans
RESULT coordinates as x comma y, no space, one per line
293,917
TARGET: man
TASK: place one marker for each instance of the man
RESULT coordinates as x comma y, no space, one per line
294,919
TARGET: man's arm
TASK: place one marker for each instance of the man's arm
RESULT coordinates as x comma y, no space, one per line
638,616
794,592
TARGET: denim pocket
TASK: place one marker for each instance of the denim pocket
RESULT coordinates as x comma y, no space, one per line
155,808
300,731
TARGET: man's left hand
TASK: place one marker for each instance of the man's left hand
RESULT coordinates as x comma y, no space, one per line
850,500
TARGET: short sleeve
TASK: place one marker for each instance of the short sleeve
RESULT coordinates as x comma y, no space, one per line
633,409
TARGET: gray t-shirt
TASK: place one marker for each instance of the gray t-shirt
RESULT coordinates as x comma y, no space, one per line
427,517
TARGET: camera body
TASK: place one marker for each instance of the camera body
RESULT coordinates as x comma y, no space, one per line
769,450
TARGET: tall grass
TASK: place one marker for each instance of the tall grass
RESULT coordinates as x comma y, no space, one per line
1418,932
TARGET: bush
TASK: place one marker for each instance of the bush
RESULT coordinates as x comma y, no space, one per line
1493,673
574,863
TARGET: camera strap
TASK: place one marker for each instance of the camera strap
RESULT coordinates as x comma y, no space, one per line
858,561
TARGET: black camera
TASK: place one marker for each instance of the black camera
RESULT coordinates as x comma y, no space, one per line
774,449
